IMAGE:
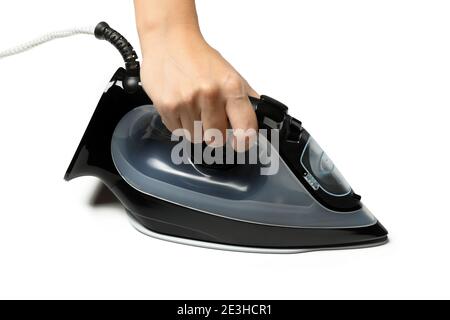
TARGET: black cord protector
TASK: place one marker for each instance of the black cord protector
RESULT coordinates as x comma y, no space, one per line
104,32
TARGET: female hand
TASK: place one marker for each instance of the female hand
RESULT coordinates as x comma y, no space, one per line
189,81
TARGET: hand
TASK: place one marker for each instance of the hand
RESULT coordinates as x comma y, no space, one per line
189,81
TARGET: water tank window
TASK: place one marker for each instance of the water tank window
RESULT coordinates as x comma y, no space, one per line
321,171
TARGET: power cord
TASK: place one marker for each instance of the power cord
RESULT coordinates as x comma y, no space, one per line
101,31
45,38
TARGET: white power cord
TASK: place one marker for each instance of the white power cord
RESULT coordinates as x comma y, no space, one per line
45,38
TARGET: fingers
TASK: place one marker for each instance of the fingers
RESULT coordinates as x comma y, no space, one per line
218,107
213,117
215,124
250,91
243,121
169,116
179,115
189,114
240,113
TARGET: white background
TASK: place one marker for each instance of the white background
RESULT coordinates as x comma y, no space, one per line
369,79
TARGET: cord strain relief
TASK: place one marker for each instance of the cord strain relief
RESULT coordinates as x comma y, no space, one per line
104,32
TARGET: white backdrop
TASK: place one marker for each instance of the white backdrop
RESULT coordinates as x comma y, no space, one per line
369,79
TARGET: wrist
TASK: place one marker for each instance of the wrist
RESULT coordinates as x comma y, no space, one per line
157,27
153,37
156,15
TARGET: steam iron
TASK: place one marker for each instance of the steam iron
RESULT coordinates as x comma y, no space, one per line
307,205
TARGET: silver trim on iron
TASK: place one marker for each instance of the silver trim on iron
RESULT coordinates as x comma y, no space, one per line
224,247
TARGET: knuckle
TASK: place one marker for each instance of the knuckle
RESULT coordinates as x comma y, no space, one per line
234,85
169,105
209,90
188,99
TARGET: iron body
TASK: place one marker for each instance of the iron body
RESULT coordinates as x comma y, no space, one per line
307,206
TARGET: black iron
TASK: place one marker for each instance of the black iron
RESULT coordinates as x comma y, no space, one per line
93,158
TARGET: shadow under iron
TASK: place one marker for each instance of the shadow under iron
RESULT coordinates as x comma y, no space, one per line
103,197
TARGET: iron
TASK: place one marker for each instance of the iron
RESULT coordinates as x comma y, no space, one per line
307,205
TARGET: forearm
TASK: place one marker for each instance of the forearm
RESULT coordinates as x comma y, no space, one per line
162,16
